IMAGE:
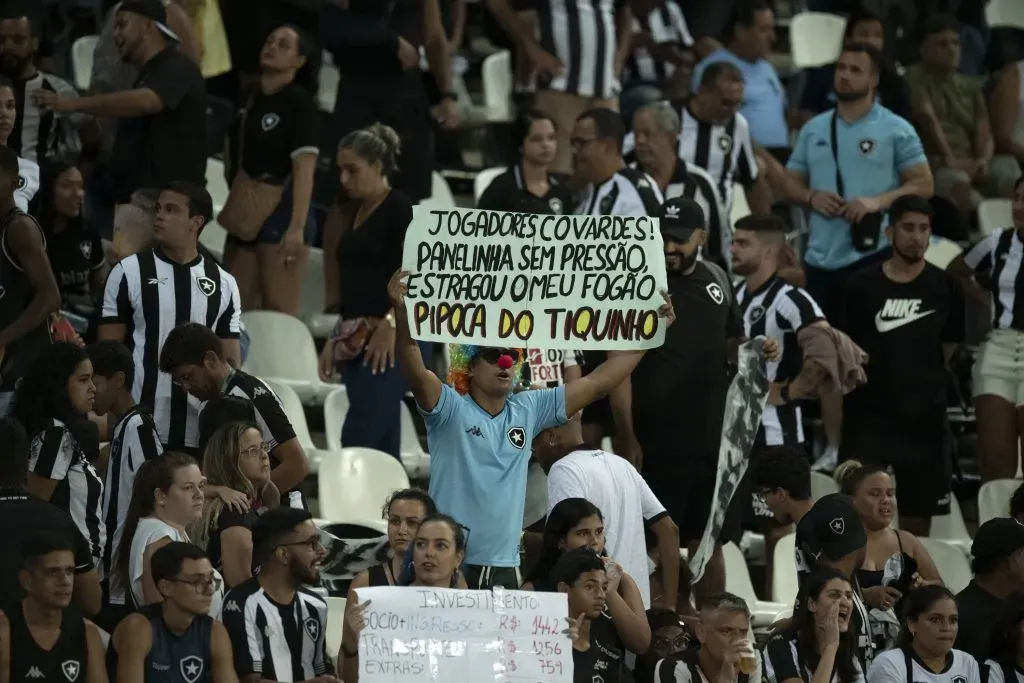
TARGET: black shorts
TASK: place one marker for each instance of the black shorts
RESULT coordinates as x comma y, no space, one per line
917,450
681,472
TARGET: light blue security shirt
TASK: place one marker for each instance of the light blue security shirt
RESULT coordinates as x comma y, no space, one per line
764,98
478,465
873,151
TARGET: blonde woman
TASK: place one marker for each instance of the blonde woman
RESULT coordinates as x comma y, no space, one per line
235,458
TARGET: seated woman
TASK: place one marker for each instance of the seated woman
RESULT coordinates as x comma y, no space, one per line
818,645
894,560
438,548
926,646
1006,656
167,496
575,523
74,247
237,459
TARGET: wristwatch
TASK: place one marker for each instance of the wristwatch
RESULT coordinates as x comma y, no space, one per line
390,318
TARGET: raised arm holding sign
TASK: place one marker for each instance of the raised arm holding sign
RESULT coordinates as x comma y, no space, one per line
479,431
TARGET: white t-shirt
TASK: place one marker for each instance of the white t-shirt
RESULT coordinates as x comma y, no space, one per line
891,667
151,530
995,673
625,500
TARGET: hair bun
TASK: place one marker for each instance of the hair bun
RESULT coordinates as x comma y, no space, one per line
845,469
389,136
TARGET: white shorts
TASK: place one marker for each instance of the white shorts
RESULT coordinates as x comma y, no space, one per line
999,367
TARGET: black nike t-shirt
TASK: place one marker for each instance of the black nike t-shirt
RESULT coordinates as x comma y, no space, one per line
75,253
903,326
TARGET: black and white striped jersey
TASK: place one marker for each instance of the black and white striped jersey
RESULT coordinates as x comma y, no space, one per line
781,661
582,35
903,664
726,152
278,642
629,192
779,310
55,454
151,295
996,261
133,441
270,416
41,135
693,182
665,23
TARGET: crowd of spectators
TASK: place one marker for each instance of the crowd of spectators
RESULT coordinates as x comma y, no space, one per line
152,489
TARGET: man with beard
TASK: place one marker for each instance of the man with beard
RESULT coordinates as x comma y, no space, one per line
276,624
848,166
38,135
908,315
679,429
161,129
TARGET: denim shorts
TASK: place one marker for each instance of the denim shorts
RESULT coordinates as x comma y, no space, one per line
276,225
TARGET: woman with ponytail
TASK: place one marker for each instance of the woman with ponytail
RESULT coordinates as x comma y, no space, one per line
363,246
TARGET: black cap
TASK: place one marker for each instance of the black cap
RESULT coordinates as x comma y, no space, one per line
832,529
680,217
151,9
997,539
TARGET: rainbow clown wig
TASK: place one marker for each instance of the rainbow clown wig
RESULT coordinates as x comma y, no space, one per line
460,360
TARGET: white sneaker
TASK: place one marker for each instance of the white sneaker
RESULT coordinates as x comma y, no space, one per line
827,461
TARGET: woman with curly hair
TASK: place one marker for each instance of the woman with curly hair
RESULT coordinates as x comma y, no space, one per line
53,402
237,459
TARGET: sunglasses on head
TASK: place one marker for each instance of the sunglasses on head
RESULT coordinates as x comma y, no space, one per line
491,355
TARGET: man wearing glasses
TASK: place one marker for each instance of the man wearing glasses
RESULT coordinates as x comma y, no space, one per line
479,433
276,624
192,355
176,639
48,577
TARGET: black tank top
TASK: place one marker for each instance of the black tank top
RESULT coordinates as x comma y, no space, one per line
173,658
16,292
66,662
380,575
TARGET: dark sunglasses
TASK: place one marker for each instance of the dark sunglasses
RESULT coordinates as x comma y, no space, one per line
491,355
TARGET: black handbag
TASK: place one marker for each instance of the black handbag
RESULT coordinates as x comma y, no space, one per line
866,232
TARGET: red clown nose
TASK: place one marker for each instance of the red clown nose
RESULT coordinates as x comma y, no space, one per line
505,362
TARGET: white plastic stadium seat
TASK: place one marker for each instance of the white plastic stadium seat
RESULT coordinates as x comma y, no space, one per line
816,38
954,569
1008,13
994,214
441,196
282,349
81,60
214,237
335,410
994,498
327,88
737,582
740,207
483,180
355,482
335,626
951,528
941,252
297,416
311,298
784,582
216,183
822,485
496,74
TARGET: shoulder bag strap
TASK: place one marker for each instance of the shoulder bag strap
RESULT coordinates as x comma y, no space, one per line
840,188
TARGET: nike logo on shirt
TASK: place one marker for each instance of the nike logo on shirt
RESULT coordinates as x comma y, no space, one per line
899,312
